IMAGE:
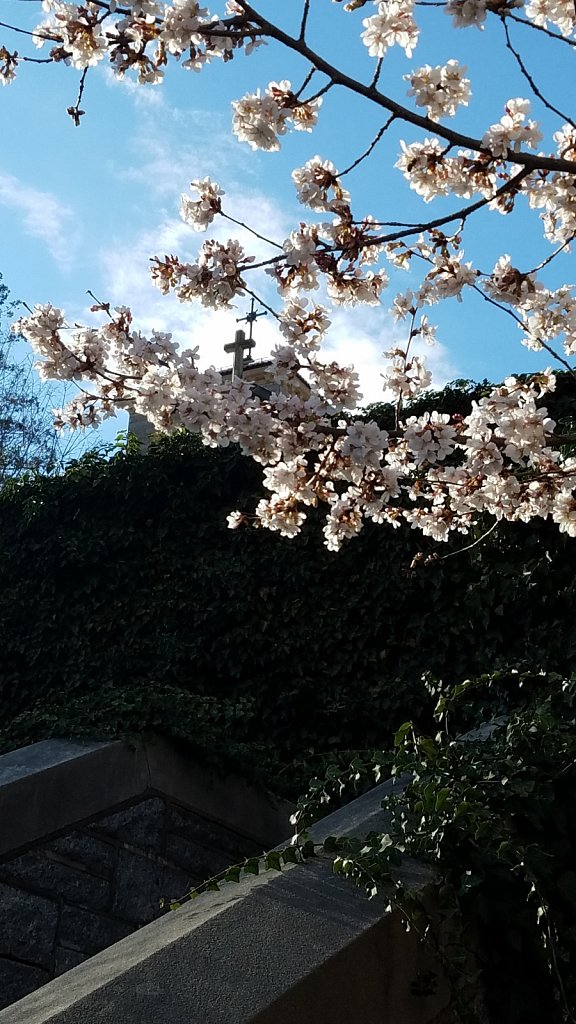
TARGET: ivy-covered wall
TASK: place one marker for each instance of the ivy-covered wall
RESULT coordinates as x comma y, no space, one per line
127,604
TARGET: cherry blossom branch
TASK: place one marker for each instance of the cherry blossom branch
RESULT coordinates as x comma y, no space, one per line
416,229
304,21
377,72
469,547
510,312
262,303
459,215
540,28
561,248
529,78
306,82
75,112
528,160
27,32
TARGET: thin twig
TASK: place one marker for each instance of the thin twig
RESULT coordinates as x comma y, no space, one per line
75,112
304,21
504,309
321,92
306,82
541,28
34,60
374,142
529,79
262,303
27,32
474,543
377,72
246,227
461,214
545,262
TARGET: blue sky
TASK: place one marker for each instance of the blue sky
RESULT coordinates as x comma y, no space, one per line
85,208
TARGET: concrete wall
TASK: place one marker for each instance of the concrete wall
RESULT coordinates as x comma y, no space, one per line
75,878
301,945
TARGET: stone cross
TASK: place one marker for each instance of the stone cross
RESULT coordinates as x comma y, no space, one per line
238,347
242,343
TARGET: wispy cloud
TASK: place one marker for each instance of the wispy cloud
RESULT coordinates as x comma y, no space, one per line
44,217
143,96
169,147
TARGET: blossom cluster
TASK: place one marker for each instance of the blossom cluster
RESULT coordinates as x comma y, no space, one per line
215,279
441,89
260,120
436,474
513,130
140,34
199,213
393,25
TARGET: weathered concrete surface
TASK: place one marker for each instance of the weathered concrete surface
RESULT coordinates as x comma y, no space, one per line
302,946
298,945
53,786
230,801
50,786
97,838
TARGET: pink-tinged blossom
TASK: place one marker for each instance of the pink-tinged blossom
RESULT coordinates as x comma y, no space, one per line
303,326
559,13
430,438
466,13
318,185
280,516
564,513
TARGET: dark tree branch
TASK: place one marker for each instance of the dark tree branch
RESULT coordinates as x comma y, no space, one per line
530,79
303,23
246,227
529,160
540,28
75,112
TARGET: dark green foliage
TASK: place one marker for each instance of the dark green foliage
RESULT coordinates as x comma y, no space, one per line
123,589
494,812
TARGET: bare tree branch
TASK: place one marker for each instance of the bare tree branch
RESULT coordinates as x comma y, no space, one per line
529,78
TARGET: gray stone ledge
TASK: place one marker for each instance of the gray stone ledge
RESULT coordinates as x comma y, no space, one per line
298,945
53,786
362,815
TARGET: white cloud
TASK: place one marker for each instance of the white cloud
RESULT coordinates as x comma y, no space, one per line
143,95
169,147
44,217
357,336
